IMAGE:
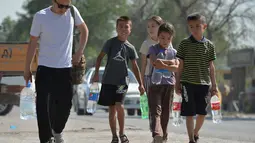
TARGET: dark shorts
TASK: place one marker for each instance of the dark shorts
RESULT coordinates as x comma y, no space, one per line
110,94
194,99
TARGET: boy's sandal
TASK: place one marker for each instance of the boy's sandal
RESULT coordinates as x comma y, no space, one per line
124,139
196,138
115,139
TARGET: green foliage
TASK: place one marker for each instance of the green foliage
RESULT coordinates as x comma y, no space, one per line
6,28
100,16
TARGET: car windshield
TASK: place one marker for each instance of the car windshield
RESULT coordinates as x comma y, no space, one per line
132,78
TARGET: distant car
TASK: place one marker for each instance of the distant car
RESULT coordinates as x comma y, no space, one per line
132,99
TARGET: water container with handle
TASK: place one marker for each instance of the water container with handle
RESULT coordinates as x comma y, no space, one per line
216,109
176,110
93,98
27,102
158,73
169,56
144,106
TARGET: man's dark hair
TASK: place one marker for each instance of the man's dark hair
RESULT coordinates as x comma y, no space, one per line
167,27
123,18
196,16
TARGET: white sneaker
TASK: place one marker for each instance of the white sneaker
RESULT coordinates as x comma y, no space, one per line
58,137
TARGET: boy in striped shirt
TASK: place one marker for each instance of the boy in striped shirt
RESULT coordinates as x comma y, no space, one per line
196,74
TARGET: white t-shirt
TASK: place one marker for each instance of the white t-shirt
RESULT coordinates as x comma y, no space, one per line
144,50
55,34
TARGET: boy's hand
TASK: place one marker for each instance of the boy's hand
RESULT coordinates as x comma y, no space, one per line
141,89
95,78
214,90
178,89
159,64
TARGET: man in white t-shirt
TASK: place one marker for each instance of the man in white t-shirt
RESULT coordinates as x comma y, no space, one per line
53,28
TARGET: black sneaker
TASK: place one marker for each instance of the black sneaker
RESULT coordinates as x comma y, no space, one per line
192,142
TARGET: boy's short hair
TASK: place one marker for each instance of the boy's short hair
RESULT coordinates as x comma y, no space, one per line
166,27
123,18
157,19
196,16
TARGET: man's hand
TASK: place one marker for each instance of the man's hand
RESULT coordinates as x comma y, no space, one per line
95,78
214,90
141,89
77,57
28,76
159,64
178,88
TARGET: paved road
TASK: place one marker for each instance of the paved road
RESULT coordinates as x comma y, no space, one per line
94,129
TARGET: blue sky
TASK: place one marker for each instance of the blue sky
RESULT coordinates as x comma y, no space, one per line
10,7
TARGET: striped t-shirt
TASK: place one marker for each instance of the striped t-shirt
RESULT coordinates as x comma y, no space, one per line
196,56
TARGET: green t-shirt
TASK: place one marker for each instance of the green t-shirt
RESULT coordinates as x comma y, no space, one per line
196,56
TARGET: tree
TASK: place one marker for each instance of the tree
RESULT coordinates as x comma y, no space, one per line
21,30
100,17
6,27
230,16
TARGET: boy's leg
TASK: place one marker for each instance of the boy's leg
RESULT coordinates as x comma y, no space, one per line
188,108
190,127
147,84
112,120
202,100
199,123
166,106
155,95
121,117
119,101
107,98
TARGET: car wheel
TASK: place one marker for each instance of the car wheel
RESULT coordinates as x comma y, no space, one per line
80,112
131,112
139,112
5,109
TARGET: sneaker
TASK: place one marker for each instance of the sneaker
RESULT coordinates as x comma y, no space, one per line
51,141
192,142
58,138
157,139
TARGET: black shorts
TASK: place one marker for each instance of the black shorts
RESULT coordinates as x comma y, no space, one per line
110,94
194,99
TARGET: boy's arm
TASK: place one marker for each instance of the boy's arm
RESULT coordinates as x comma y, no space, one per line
178,77
137,75
169,62
213,79
98,63
143,65
136,72
159,64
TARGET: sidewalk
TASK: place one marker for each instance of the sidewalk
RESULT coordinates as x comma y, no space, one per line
78,131
104,137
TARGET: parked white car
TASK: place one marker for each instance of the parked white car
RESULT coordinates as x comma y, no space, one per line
132,99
